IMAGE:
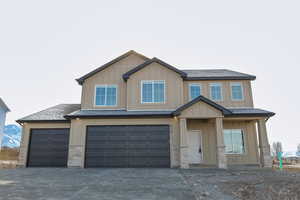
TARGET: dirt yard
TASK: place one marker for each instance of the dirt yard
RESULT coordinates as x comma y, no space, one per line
8,158
244,184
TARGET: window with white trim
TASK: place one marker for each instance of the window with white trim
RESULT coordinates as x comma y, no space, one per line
194,90
106,95
234,141
237,91
153,91
216,91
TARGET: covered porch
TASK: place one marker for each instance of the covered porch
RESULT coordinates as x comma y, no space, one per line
215,136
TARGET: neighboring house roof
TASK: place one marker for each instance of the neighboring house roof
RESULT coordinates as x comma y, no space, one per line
52,114
217,74
116,113
203,99
82,79
3,105
127,75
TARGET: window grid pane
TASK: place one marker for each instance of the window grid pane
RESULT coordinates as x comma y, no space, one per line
216,92
234,141
159,92
106,95
153,92
147,92
195,91
236,92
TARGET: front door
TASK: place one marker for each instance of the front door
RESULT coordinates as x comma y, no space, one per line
195,149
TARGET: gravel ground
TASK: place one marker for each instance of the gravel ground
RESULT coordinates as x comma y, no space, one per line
148,184
245,184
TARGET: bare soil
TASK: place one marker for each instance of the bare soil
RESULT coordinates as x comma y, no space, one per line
245,184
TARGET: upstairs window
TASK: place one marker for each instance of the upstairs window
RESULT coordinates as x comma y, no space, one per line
216,91
237,92
153,91
106,95
194,90
234,141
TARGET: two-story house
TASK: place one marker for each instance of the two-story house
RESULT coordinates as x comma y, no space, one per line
141,112
3,110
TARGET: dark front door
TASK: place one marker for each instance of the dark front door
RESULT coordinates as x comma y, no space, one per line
48,148
128,146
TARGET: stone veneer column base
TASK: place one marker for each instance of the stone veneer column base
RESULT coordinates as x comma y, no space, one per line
222,160
76,156
266,159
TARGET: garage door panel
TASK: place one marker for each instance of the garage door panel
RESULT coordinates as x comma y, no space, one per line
128,146
48,148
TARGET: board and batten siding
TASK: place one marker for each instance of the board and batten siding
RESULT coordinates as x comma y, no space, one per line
154,71
112,75
226,92
207,127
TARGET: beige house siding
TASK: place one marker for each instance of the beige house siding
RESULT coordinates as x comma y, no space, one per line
24,146
78,136
207,128
111,75
226,92
154,71
201,110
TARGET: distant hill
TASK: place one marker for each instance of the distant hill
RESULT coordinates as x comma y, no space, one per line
12,136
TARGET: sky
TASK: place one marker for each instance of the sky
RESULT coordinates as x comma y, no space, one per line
45,45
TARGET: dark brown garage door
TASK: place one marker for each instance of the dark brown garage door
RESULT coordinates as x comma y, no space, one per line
128,146
48,148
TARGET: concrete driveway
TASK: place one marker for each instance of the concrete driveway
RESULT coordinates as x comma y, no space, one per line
104,184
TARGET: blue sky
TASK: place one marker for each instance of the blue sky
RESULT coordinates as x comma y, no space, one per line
44,46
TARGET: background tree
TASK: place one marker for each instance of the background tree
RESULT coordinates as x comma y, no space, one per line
298,148
276,148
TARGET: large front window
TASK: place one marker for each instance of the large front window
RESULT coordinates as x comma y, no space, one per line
106,95
153,91
234,141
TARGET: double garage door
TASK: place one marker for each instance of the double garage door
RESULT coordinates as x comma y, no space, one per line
106,146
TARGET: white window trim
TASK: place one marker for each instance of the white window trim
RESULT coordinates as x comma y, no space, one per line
242,88
210,93
152,81
194,84
244,140
105,85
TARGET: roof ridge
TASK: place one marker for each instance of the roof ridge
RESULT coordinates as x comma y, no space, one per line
148,62
102,67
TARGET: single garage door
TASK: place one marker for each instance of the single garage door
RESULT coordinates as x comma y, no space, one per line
48,148
128,146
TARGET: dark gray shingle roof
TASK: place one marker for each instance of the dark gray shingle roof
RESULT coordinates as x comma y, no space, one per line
55,113
117,113
216,74
64,112
250,111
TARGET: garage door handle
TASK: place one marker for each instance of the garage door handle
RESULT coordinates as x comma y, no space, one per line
200,150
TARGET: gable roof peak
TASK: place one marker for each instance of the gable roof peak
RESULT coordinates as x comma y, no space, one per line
224,110
128,53
127,75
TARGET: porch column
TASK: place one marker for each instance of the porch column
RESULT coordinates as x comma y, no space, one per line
183,144
221,157
264,146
